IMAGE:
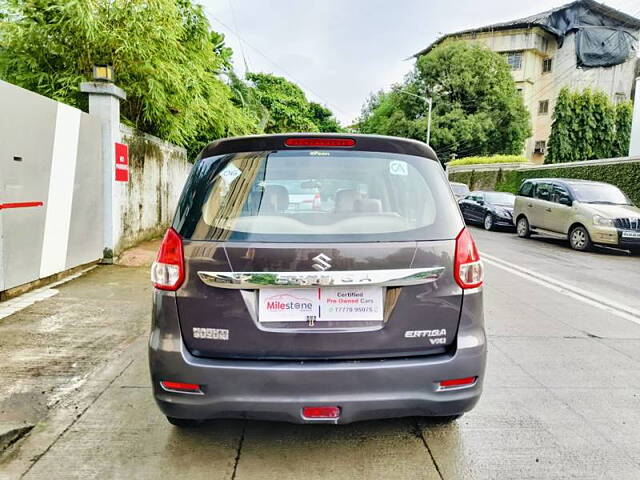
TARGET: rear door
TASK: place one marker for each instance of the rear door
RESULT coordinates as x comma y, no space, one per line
538,206
355,277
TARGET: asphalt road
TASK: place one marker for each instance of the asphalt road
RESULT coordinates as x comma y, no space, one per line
561,399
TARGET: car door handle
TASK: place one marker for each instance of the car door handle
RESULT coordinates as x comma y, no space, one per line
547,209
530,205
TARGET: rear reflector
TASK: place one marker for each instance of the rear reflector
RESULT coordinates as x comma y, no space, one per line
319,142
187,387
321,412
457,382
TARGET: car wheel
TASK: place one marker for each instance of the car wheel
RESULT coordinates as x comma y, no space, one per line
183,422
488,222
579,239
522,228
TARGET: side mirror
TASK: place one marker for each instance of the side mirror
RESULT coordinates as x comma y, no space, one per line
565,201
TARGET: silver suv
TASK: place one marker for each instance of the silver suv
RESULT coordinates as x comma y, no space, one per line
585,212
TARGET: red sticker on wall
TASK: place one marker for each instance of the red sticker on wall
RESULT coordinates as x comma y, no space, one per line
122,162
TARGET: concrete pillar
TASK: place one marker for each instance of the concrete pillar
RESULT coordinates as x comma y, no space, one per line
634,148
104,103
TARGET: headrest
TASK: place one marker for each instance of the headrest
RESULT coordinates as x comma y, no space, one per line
275,198
368,205
345,200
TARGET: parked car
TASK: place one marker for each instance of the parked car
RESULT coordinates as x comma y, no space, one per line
489,209
460,190
585,212
351,311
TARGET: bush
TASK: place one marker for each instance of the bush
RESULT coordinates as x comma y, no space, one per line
487,160
625,176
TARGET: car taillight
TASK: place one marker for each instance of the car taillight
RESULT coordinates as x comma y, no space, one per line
167,272
467,267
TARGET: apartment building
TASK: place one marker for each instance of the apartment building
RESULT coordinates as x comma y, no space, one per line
584,44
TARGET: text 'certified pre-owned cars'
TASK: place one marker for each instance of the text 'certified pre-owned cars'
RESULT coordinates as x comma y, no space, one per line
364,303
490,209
586,212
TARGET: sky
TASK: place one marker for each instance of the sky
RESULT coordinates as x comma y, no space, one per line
340,51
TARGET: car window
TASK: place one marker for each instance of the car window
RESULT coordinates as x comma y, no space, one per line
459,189
543,191
312,196
500,198
558,193
526,190
476,196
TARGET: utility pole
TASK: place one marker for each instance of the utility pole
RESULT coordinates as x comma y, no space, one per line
429,101
429,121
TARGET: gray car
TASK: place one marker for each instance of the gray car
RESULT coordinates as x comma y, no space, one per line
367,304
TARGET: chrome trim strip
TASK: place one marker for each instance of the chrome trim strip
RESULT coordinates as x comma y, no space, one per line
255,280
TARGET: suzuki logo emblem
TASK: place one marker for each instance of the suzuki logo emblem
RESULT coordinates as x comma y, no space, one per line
321,262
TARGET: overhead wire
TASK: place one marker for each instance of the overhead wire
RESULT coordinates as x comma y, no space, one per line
272,62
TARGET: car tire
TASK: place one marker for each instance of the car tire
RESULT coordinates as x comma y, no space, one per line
489,223
522,227
579,239
183,422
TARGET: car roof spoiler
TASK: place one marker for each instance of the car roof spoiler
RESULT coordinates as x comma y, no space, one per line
366,143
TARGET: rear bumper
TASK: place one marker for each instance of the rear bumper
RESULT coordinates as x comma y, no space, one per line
278,390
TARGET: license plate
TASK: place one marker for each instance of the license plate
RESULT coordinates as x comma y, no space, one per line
630,234
334,304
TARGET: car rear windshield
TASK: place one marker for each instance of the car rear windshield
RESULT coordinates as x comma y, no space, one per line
317,195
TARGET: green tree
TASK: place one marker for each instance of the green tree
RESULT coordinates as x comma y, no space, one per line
561,145
286,103
624,118
476,107
163,53
587,125
323,118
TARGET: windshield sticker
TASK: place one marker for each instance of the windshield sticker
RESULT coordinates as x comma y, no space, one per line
316,153
230,173
398,167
